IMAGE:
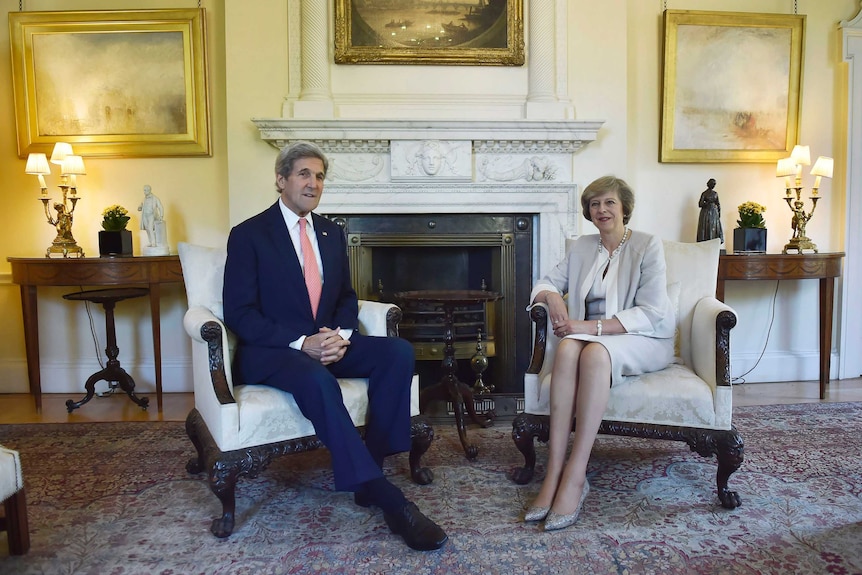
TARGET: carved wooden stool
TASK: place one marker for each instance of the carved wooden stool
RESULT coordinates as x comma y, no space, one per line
112,371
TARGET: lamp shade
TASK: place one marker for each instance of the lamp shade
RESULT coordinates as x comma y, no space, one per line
73,165
801,155
61,150
823,167
37,164
786,167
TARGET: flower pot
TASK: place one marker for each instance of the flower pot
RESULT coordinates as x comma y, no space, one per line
115,243
749,240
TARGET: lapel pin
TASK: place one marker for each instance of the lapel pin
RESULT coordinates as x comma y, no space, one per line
325,234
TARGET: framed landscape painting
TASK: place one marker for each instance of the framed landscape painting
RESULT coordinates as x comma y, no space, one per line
111,83
478,32
731,86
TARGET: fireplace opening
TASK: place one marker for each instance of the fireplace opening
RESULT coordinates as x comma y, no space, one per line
393,253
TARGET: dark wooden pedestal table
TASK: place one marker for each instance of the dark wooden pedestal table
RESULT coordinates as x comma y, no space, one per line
450,387
112,372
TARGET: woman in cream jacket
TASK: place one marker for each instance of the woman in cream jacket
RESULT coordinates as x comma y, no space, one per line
617,321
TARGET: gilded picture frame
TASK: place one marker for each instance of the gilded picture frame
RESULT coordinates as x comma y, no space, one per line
731,86
420,32
116,83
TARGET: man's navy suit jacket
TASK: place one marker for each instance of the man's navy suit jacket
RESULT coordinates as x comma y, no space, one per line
265,299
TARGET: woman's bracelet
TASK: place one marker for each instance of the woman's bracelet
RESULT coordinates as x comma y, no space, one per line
598,327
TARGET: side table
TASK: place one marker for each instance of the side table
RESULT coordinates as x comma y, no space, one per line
449,386
825,267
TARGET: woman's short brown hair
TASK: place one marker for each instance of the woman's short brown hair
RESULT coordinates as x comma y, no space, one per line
609,184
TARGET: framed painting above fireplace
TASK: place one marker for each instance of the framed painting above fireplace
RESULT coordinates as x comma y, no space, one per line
478,32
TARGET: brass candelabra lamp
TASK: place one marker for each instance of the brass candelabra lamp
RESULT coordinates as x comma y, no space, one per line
62,216
792,166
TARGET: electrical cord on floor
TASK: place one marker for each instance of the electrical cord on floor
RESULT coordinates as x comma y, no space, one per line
739,380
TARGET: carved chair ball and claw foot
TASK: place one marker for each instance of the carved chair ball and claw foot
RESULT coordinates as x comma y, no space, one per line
689,401
272,424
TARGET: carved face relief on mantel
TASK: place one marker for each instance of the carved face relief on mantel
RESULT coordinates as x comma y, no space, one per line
431,160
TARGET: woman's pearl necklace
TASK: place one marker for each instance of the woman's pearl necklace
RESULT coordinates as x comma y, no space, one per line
619,247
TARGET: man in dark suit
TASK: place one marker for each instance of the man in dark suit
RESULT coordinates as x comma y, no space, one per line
288,298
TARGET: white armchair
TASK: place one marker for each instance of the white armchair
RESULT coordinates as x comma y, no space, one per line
237,430
690,400
14,522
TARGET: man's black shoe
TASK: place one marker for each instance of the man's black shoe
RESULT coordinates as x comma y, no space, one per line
418,531
362,499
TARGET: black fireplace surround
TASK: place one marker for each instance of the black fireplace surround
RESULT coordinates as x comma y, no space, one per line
404,252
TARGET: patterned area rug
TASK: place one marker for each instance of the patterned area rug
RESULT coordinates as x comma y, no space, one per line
115,498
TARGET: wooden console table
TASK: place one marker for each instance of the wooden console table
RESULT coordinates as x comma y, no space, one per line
30,273
825,267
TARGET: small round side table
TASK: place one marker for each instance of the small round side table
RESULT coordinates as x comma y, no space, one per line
112,371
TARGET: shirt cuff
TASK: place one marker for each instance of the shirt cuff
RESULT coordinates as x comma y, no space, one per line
298,343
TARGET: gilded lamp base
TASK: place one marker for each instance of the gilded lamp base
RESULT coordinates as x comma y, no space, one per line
799,244
65,250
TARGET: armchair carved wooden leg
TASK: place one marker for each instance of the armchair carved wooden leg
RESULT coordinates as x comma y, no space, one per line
729,449
526,428
223,470
195,465
421,436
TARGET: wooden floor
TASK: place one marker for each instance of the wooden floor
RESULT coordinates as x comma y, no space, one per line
20,408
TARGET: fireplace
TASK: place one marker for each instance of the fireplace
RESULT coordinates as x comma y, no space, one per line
404,252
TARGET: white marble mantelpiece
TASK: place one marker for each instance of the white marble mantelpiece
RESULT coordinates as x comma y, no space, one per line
488,135
487,167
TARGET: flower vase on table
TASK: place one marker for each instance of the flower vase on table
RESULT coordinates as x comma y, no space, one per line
115,240
750,236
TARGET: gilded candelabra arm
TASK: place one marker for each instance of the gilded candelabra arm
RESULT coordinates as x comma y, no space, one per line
48,215
813,207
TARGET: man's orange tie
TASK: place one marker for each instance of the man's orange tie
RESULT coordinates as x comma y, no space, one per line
310,269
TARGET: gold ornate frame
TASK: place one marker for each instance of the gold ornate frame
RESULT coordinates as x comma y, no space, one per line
353,37
731,86
108,96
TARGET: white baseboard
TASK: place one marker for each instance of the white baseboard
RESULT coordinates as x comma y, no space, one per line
783,366
69,377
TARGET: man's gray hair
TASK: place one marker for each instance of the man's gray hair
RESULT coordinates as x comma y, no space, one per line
289,154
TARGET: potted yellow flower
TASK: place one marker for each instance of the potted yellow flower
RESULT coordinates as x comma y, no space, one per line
115,240
750,235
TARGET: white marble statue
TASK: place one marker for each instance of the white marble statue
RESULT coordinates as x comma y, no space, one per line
153,223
